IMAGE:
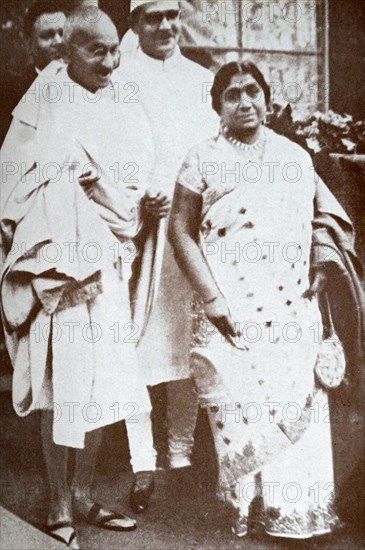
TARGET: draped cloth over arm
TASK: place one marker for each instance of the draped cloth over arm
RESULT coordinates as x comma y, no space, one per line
64,288
333,251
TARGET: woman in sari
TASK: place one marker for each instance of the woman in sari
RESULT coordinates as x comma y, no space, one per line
241,228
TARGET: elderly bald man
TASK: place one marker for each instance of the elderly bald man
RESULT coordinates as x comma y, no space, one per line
174,92
87,378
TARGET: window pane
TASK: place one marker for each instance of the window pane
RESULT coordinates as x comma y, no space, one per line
279,25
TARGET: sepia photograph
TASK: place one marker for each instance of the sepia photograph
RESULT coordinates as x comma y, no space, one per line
182,233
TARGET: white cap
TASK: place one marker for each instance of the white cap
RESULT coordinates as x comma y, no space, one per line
138,3
83,3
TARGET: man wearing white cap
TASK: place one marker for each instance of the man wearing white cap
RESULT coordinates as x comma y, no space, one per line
174,92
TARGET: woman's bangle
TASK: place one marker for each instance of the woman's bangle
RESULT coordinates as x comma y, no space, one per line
207,302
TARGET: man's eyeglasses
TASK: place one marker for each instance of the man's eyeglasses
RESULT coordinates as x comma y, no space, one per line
155,18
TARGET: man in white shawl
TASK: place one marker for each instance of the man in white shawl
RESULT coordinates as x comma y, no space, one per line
174,92
64,286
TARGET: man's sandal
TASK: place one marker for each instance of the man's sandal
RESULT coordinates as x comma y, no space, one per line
64,532
107,519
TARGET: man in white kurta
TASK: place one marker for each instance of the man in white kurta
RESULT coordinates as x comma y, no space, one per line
174,92
67,270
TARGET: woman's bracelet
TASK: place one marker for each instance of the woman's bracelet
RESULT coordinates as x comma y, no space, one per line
207,302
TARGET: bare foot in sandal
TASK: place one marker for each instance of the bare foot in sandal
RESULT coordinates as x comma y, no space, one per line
105,518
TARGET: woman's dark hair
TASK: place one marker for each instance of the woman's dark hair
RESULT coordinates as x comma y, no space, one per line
224,76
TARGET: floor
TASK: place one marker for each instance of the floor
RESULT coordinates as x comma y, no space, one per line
183,513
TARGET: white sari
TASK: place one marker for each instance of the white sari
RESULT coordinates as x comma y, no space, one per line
269,421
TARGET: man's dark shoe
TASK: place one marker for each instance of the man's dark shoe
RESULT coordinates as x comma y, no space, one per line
141,491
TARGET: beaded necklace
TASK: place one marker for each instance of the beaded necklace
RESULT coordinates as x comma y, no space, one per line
259,143
253,152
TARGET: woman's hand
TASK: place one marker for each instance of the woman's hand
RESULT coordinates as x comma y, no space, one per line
219,315
157,203
88,180
184,226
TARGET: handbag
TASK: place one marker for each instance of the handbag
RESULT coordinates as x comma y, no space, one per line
330,367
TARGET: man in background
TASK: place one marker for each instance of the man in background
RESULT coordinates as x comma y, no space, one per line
43,29
173,91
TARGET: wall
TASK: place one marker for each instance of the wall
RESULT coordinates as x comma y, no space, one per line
286,38
347,57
